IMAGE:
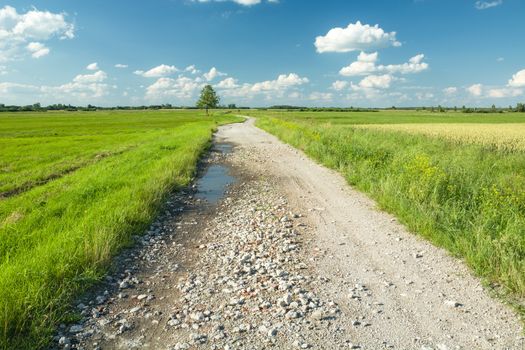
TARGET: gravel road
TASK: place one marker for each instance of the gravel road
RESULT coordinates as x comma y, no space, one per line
290,258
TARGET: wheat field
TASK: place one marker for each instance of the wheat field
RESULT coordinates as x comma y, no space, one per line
500,136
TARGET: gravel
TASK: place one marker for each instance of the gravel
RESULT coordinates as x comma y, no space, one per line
265,268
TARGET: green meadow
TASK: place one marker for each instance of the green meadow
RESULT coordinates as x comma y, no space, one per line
74,188
461,187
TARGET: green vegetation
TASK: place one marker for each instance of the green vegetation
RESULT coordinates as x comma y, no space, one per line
389,117
467,197
208,98
74,188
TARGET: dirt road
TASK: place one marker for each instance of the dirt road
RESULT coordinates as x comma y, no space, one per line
292,257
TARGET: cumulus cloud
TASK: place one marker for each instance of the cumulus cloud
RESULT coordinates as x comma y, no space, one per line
228,83
339,85
182,88
355,37
475,90
212,74
83,88
366,64
240,2
282,82
92,66
120,65
159,71
37,49
483,5
450,90
285,85
320,96
518,79
376,81
29,30
192,69
504,92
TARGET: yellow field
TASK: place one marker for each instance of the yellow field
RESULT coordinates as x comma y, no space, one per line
501,136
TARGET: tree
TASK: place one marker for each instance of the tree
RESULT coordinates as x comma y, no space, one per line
208,98
520,107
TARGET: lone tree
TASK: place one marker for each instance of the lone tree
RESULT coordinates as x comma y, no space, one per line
208,99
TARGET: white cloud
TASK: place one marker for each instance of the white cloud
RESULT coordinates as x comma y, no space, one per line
518,79
212,74
376,81
159,71
96,77
339,85
240,2
18,31
282,82
283,87
504,92
355,37
424,96
120,65
366,64
192,69
37,49
83,88
483,5
92,66
228,83
182,88
320,96
414,65
475,90
450,90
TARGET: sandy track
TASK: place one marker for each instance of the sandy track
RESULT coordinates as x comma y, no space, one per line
417,293
293,258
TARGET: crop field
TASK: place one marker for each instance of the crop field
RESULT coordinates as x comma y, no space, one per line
74,188
456,179
508,136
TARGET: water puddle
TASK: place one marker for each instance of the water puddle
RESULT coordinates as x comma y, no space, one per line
224,148
213,184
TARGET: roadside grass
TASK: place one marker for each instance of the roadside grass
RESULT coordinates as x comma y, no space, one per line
390,117
57,236
468,198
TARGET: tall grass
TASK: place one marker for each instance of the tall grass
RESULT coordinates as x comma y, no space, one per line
467,198
57,238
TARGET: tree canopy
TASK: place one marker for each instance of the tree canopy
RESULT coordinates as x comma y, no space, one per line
208,98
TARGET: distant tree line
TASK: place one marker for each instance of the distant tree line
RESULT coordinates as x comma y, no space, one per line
321,109
36,107
520,107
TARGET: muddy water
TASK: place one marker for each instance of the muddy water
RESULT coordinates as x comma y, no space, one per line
213,184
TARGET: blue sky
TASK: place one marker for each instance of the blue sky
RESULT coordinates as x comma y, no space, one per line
263,52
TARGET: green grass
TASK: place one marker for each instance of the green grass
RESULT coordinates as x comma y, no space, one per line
467,198
76,187
390,117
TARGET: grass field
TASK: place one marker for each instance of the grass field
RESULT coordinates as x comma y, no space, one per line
462,188
74,188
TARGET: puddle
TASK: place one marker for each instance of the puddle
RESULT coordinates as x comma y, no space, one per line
224,148
212,185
